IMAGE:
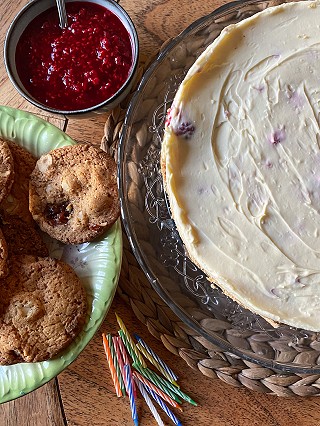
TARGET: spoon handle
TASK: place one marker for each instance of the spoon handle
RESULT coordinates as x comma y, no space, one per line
62,13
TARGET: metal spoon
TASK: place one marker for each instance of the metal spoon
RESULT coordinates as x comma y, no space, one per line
62,13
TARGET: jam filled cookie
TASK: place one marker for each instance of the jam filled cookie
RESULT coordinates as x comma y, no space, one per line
44,307
73,193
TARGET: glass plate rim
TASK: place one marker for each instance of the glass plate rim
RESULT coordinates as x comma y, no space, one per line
186,318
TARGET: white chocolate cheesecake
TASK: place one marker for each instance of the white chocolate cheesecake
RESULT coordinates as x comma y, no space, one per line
241,163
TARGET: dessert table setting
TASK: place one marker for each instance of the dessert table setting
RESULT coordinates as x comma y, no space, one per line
149,302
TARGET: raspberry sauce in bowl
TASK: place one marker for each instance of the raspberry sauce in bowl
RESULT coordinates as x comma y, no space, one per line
84,67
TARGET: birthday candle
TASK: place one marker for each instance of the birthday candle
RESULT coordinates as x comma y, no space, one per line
169,385
128,347
125,359
152,408
129,381
154,362
119,361
130,341
176,390
168,412
123,350
150,375
158,391
111,366
156,357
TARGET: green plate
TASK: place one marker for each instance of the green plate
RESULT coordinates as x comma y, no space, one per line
97,264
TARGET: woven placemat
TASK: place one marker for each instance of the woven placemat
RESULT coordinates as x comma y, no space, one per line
176,336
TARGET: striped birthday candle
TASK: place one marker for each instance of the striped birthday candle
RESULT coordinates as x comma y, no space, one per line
129,381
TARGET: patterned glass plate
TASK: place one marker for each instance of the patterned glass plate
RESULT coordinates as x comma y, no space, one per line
151,230
97,264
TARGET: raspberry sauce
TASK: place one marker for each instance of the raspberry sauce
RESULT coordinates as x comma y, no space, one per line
79,66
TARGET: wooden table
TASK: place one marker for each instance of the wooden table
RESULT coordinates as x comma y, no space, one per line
83,394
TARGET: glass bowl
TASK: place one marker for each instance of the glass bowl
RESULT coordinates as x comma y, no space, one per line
151,229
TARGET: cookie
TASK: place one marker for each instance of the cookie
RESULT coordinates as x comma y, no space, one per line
3,255
6,169
17,202
73,193
22,238
9,339
43,305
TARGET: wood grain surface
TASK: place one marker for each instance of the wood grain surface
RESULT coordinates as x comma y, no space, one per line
83,394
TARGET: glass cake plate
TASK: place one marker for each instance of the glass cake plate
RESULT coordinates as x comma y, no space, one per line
151,229
97,264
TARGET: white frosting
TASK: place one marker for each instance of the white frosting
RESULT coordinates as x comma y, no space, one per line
241,154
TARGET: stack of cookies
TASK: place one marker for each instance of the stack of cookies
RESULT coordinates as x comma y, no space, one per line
73,197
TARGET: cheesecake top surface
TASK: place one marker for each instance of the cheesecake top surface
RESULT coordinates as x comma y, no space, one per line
241,161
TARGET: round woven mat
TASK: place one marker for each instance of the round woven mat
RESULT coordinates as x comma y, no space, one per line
176,336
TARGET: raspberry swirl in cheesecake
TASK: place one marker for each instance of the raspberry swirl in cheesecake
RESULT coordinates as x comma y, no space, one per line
241,163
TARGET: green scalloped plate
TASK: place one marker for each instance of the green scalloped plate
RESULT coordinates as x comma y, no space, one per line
97,264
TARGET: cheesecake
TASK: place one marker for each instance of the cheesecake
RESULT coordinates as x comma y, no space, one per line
240,160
